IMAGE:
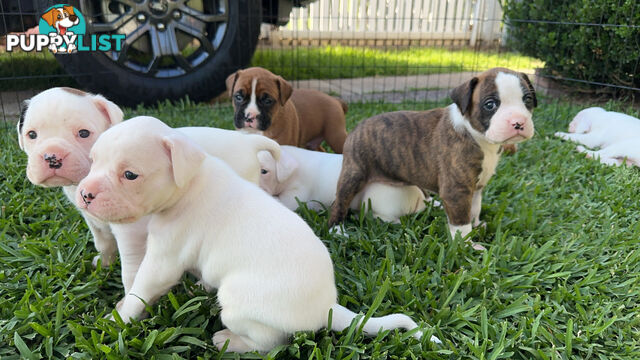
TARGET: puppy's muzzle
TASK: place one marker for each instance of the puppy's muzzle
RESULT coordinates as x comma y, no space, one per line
54,162
87,197
518,126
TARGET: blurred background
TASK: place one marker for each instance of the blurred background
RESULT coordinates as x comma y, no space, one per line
390,51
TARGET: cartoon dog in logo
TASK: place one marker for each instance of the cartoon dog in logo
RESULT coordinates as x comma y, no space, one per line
61,19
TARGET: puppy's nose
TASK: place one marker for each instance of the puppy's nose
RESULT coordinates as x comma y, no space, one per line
72,17
87,197
250,114
518,122
54,162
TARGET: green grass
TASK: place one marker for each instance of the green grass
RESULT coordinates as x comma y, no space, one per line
352,62
19,71
560,278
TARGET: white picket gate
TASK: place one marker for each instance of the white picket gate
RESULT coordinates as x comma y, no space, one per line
466,20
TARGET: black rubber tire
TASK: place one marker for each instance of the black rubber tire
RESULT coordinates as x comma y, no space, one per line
96,73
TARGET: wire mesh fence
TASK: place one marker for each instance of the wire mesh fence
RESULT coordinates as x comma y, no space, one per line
377,50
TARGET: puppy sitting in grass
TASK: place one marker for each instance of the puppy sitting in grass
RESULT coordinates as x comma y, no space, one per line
57,130
273,275
452,151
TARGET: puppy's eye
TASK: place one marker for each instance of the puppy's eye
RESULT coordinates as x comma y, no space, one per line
59,16
32,134
263,171
84,133
130,175
267,101
238,97
527,99
490,105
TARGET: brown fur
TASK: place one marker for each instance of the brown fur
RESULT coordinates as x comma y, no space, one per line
302,118
52,15
422,149
74,91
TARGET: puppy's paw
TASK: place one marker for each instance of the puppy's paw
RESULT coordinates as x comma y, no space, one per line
94,262
581,148
562,135
338,230
476,246
236,344
435,340
105,260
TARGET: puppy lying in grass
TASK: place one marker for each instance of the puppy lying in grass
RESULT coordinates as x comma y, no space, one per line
273,275
312,176
616,135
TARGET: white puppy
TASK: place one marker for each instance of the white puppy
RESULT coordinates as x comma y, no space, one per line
312,178
57,130
273,275
616,134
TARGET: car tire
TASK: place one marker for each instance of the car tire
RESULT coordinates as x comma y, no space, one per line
99,72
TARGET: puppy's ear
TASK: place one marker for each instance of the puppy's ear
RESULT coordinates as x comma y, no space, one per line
533,91
50,16
285,167
266,159
111,111
186,158
284,88
20,124
231,81
69,9
462,95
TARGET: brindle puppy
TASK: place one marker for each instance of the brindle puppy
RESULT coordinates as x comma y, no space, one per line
452,151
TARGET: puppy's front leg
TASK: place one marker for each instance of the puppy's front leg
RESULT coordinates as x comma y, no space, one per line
156,275
458,203
103,240
476,207
132,244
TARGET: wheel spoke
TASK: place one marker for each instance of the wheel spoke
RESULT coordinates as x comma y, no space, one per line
189,29
182,62
164,42
152,68
207,18
130,39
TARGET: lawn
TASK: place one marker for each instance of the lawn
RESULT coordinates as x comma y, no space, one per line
560,278
19,71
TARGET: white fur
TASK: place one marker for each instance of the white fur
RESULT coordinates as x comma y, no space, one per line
312,177
252,111
57,115
273,275
489,149
616,134
511,110
464,230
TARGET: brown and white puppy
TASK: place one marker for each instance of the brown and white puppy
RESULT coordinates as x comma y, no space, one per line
452,151
266,103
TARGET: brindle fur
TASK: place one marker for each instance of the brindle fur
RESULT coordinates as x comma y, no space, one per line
422,149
